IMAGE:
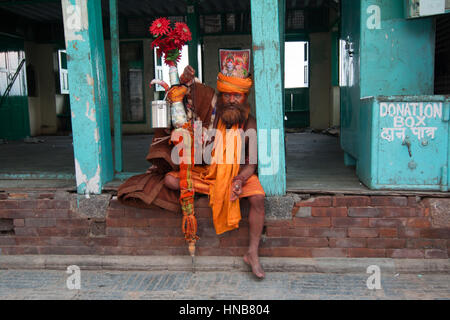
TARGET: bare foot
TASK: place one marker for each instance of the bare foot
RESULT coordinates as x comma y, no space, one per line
253,261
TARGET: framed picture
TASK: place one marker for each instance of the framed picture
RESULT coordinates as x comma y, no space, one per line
235,63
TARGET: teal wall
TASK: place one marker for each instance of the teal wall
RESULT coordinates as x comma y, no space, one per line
350,91
392,67
14,118
14,114
398,58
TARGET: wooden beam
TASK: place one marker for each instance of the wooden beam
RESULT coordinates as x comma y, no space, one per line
268,59
88,94
116,94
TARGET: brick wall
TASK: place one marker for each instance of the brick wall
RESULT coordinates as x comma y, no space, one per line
321,226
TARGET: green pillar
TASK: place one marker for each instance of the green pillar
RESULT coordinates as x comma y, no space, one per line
88,94
116,94
268,59
193,24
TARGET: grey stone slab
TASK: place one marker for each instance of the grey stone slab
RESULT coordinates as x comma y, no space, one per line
221,264
120,285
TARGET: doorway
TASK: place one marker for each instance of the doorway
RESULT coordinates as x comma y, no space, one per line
296,87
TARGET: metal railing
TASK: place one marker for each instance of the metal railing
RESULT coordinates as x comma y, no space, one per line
13,79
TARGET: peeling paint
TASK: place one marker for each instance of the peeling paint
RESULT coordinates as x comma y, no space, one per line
256,48
90,116
92,185
96,135
76,20
90,80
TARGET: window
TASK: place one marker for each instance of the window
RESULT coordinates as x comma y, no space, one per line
63,74
132,81
346,69
296,65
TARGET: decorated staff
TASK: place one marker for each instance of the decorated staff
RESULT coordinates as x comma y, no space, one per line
169,43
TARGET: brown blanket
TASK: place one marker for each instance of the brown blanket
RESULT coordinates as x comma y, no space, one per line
148,190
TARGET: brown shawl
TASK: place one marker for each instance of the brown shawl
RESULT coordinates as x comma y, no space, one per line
148,189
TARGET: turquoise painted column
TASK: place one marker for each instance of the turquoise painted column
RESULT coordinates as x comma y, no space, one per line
116,94
193,24
88,94
268,60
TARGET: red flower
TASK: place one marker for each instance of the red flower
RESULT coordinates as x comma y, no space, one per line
169,41
182,31
156,42
168,45
178,44
160,26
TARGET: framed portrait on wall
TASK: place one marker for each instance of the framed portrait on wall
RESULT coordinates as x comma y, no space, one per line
235,63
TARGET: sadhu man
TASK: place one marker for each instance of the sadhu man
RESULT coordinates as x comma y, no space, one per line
225,183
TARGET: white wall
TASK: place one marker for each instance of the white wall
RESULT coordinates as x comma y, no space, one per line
42,108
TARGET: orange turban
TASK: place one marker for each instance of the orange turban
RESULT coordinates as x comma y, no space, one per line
233,84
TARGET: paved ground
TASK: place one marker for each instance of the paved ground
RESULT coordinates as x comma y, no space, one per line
314,161
121,285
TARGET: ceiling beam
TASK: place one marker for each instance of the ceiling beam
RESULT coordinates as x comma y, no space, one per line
22,2
28,13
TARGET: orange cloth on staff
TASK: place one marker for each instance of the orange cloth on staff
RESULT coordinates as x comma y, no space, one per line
233,84
176,94
215,180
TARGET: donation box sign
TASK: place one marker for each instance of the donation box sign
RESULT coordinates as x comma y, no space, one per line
413,143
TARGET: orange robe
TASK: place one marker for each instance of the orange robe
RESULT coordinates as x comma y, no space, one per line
215,180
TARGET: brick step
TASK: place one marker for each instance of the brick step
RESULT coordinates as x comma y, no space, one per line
321,226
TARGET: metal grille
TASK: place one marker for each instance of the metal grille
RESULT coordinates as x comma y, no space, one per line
231,22
176,19
137,27
295,20
211,23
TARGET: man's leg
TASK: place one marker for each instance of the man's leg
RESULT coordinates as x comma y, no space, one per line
256,224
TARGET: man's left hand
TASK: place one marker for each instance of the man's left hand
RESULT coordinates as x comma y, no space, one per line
236,189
